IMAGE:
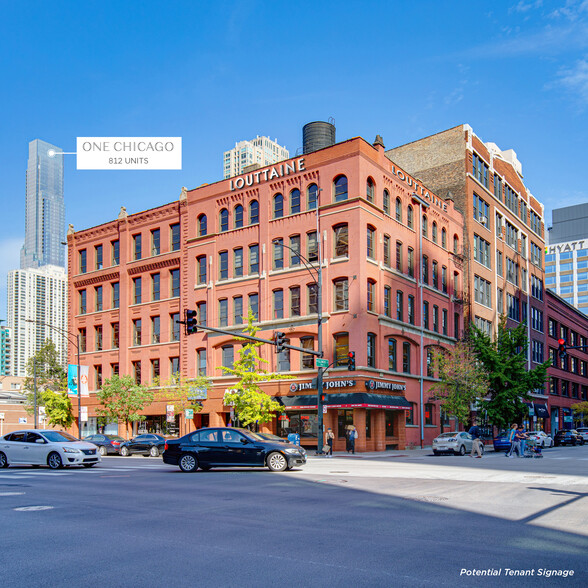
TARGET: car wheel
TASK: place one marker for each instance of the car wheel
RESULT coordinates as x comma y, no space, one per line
188,462
124,451
462,450
3,460
276,462
154,452
54,461
102,450
88,465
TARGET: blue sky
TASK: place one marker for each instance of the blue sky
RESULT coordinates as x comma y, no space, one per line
216,73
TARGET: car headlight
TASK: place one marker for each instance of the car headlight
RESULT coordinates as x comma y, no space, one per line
71,450
292,450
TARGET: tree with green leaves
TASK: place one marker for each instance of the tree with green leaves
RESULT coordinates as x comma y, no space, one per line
44,370
58,408
122,399
463,380
580,410
251,404
505,358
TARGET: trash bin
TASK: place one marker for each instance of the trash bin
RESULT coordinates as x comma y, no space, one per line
294,438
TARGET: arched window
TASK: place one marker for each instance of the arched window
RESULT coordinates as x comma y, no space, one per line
202,226
254,212
340,188
238,216
224,220
443,238
399,210
311,196
386,202
455,244
425,227
434,232
409,219
370,190
341,240
278,206
295,201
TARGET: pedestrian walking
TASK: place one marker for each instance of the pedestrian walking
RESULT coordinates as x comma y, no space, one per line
515,443
477,445
521,436
348,430
329,439
353,435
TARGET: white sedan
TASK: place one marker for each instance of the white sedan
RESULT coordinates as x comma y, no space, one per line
55,449
540,438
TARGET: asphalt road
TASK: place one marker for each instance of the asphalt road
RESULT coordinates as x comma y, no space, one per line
403,519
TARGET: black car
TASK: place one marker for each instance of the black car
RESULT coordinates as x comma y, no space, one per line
219,447
568,437
147,444
107,444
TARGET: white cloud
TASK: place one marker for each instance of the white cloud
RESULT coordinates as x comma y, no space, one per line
575,80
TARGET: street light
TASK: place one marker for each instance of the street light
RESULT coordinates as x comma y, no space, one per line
423,205
76,343
319,320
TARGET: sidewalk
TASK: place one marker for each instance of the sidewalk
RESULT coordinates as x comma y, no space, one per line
389,453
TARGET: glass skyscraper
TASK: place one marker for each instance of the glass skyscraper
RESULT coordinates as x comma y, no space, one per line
45,208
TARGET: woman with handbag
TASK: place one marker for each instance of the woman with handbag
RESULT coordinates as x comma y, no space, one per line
329,438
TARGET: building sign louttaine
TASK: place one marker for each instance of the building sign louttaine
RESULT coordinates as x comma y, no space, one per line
276,171
375,385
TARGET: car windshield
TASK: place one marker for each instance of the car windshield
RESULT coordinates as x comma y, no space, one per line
59,436
251,435
447,435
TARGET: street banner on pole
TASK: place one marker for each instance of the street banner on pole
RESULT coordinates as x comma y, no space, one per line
72,380
170,413
84,414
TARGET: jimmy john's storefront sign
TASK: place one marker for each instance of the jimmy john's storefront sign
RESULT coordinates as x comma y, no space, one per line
375,385
267,175
327,385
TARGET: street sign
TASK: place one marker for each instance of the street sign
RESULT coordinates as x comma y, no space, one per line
322,363
84,414
189,413
22,420
324,409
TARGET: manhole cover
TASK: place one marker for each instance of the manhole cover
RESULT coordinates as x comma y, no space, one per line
11,493
27,508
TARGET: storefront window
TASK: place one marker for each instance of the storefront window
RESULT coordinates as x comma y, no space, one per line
429,414
411,415
368,424
344,419
304,423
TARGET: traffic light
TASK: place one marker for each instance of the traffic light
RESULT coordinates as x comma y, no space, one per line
351,361
191,322
562,348
280,339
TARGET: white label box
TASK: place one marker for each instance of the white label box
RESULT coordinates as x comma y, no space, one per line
129,153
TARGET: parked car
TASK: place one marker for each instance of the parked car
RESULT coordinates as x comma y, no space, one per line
568,437
453,442
540,438
147,444
107,444
501,442
221,447
584,432
55,449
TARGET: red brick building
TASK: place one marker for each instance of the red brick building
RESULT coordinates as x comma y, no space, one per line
568,376
241,243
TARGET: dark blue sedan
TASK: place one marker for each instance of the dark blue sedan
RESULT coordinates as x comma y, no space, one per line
221,447
501,442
